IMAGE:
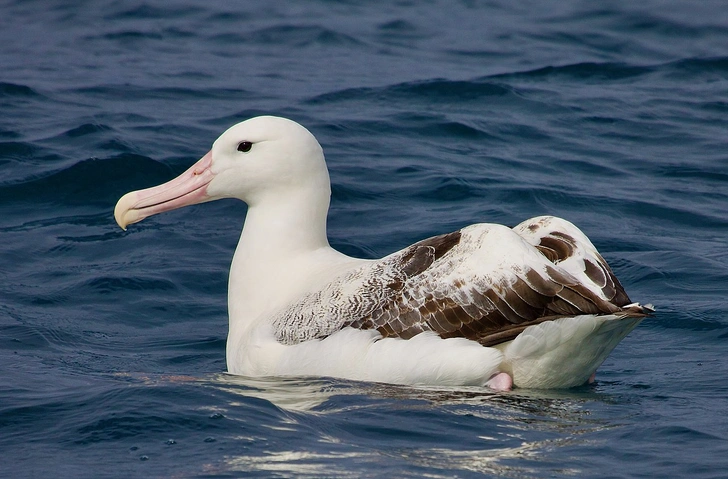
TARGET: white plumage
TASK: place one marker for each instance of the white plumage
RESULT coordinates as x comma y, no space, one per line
536,303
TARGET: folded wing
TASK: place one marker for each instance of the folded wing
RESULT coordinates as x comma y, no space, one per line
485,282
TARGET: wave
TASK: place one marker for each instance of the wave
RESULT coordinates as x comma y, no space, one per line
131,92
17,90
506,84
94,181
290,35
435,90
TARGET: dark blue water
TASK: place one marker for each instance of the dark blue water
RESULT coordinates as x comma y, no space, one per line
433,115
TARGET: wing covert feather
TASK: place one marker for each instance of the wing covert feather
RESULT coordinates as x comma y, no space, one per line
485,282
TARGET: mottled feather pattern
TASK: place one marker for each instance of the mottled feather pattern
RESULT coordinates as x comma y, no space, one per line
369,289
564,244
485,282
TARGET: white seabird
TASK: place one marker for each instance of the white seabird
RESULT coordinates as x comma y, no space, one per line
533,306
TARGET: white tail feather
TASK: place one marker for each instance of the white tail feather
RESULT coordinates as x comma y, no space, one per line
565,352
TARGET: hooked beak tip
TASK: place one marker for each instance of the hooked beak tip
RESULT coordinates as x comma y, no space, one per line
123,212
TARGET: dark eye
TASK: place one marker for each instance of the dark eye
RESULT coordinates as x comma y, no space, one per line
245,146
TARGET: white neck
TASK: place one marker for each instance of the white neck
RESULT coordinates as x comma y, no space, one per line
282,251
290,224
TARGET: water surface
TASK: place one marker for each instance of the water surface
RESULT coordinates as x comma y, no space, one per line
433,116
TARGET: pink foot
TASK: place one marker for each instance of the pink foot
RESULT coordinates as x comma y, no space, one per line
592,378
500,382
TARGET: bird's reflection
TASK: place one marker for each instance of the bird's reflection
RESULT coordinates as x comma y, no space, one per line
514,431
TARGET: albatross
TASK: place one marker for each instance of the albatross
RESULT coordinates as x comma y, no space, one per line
535,306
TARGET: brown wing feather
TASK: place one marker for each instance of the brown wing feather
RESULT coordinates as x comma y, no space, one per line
489,317
560,241
485,311
437,285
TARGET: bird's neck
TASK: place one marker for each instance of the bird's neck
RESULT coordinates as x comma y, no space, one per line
290,224
282,248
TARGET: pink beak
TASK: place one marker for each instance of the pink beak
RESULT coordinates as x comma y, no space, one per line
189,188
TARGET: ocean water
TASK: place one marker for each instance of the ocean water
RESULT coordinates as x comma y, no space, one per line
433,115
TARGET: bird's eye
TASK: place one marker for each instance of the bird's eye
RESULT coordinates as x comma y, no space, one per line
245,146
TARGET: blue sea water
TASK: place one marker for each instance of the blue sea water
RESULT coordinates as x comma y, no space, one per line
433,115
